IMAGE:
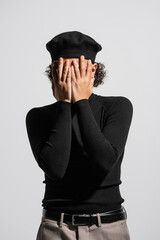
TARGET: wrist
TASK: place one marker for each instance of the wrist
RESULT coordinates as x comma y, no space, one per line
64,100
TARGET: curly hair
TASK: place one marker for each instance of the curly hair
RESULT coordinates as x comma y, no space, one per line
100,74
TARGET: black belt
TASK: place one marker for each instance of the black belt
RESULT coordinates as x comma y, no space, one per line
87,219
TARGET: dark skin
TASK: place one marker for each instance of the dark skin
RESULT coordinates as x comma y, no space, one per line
73,78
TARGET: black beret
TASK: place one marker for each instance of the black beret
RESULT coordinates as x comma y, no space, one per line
73,44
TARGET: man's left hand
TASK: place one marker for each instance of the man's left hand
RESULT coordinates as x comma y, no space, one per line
81,80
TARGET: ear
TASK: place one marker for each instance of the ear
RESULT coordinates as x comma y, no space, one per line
94,68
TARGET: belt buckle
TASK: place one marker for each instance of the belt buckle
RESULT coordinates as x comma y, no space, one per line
75,224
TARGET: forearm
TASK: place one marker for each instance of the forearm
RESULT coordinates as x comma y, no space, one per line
102,155
50,142
54,155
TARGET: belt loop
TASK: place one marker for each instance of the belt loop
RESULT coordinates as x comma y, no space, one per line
61,220
99,219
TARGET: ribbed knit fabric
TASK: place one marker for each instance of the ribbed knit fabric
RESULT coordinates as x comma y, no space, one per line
80,147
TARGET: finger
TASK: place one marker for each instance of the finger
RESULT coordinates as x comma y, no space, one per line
68,75
65,71
73,77
89,70
54,74
76,69
60,69
53,85
82,66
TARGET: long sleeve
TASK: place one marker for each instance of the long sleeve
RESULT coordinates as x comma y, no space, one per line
52,150
105,147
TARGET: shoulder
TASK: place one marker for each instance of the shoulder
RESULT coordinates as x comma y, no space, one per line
41,111
115,102
119,107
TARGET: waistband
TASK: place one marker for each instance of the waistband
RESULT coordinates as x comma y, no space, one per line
86,219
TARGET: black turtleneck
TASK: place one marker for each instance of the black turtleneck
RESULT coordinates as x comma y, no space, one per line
80,147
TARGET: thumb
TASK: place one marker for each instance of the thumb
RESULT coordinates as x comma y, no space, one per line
53,84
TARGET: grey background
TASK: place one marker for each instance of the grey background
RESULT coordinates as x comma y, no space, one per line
130,35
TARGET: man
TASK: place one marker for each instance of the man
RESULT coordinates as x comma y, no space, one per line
79,143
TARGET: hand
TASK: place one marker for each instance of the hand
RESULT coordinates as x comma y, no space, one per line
81,81
61,81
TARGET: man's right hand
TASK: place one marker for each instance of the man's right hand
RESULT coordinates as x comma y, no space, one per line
61,80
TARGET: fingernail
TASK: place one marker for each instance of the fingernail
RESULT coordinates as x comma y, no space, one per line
82,56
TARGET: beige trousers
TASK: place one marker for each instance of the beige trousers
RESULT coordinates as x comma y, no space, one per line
53,230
